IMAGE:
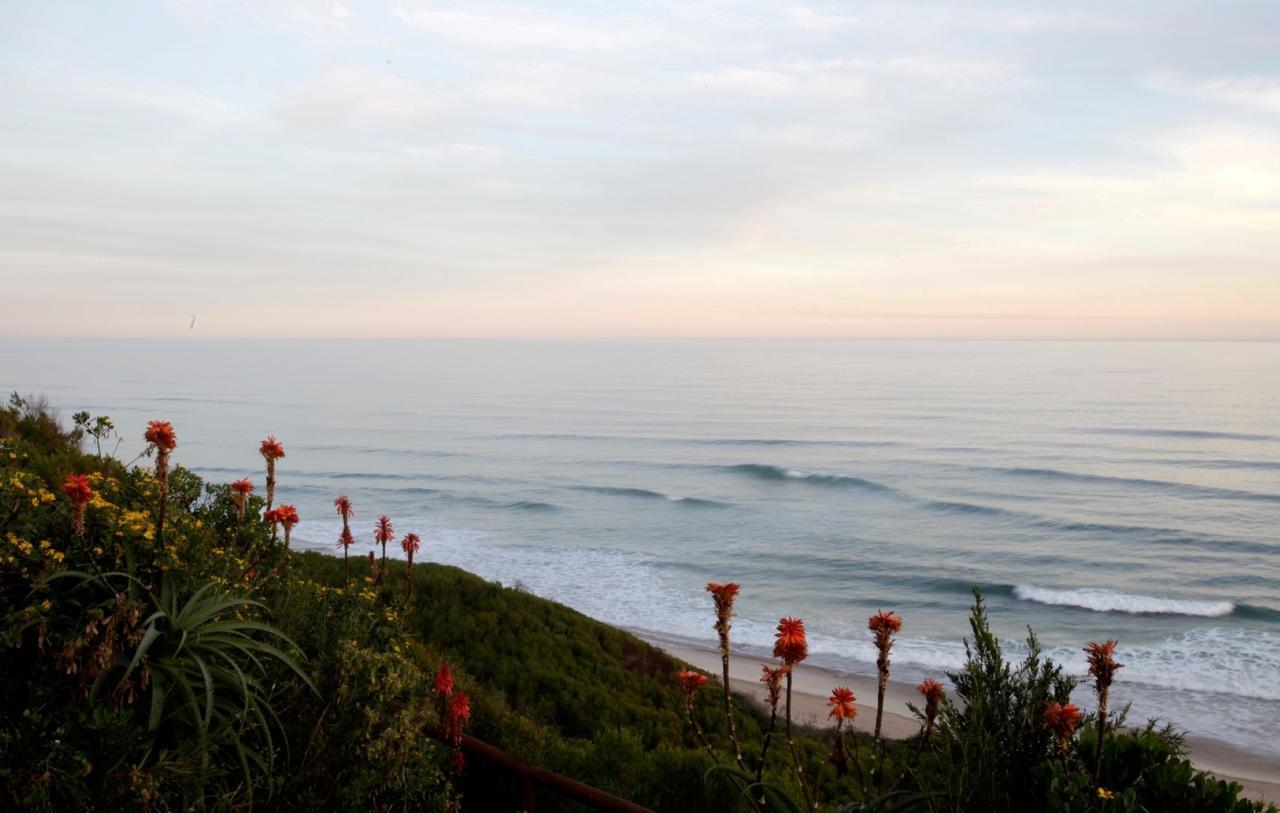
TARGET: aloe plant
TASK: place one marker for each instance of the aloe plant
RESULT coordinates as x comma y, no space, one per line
201,670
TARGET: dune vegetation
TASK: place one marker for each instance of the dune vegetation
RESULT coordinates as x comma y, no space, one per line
163,647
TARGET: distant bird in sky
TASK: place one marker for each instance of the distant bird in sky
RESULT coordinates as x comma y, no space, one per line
193,322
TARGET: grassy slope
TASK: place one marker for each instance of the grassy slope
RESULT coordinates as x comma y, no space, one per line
565,691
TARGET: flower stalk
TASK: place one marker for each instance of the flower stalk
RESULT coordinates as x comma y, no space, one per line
163,441
1103,667
383,533
792,646
345,540
410,545
724,595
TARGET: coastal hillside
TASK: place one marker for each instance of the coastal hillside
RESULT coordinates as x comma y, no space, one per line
164,647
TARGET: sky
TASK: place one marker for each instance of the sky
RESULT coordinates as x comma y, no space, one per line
663,168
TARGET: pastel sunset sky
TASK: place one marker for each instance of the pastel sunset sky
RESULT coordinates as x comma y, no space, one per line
667,168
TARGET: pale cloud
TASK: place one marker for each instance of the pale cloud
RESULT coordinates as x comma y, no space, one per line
509,28
702,167
353,94
1256,92
328,16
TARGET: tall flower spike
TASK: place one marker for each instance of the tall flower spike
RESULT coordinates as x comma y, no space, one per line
383,533
883,625
690,682
345,540
78,490
772,680
240,491
456,717
724,596
843,708
1103,667
410,545
271,451
161,437
932,691
791,645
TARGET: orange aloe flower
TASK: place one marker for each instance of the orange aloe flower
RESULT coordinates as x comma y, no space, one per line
932,691
772,679
287,516
883,625
444,681
343,505
160,433
346,539
790,643
842,704
1103,666
271,451
240,491
411,544
690,681
383,533
79,491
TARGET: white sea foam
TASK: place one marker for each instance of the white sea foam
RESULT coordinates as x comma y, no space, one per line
1109,601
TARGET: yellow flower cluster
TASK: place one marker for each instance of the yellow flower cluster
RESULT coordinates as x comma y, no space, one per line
27,487
40,550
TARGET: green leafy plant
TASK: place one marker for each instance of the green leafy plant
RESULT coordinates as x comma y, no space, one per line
203,670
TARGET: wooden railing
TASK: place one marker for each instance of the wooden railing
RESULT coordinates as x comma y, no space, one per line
531,776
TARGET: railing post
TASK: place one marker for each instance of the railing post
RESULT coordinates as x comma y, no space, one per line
528,794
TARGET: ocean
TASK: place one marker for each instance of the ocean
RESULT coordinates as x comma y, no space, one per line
1093,490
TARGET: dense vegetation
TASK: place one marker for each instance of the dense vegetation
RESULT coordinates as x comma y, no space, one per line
161,648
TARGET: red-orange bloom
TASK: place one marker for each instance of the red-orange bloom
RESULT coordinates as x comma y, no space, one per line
842,704
271,448
460,707
411,543
1102,662
790,643
271,515
724,593
161,434
456,717
345,539
77,488
691,681
444,681
772,679
242,488
287,516
383,532
343,504
931,689
1062,720
883,623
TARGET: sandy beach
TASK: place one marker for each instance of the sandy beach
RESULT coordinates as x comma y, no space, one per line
1258,773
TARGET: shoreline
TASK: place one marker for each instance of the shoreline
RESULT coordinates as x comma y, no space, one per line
1258,774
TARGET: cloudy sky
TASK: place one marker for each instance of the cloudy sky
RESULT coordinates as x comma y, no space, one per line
674,167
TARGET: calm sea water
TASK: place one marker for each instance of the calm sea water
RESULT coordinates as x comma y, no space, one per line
1125,490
